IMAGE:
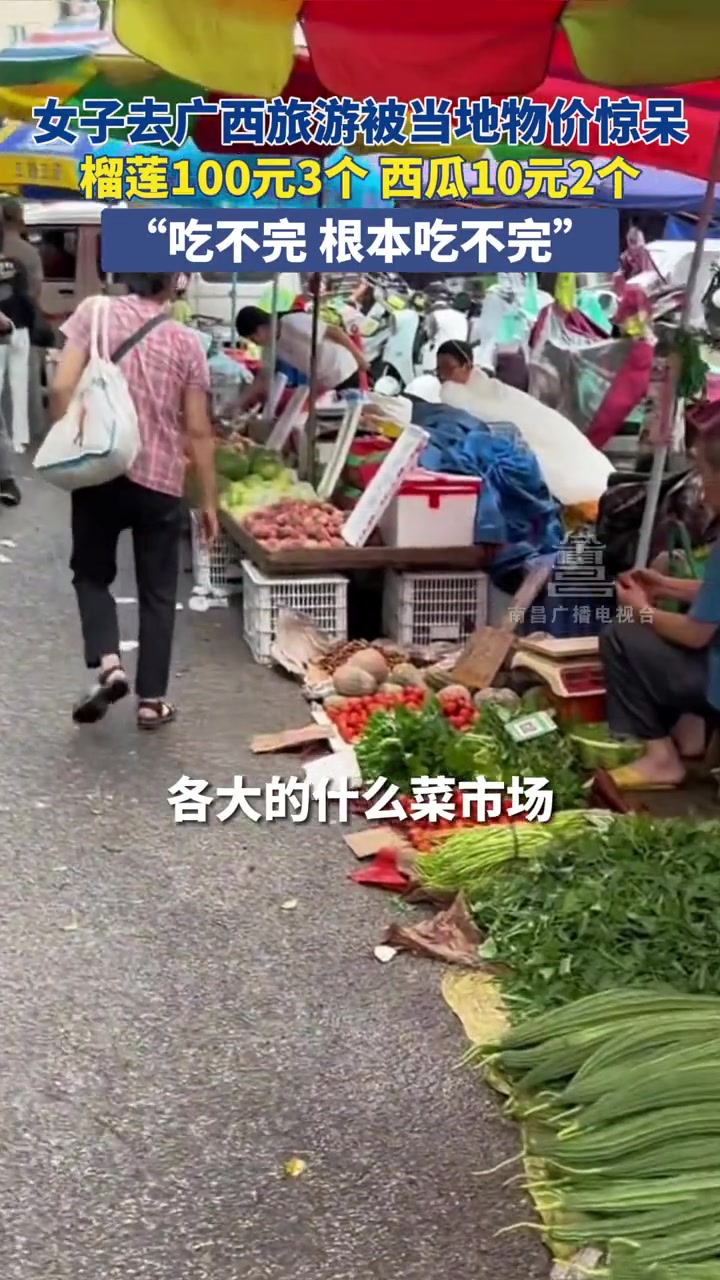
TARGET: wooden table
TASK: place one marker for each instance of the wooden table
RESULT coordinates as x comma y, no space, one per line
348,559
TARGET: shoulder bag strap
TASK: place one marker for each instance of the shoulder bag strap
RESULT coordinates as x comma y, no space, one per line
136,337
98,305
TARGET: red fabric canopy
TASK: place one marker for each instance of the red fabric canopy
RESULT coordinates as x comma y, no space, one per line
564,81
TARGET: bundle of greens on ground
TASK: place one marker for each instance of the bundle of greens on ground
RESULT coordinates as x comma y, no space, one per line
552,756
465,862
401,744
619,1097
635,904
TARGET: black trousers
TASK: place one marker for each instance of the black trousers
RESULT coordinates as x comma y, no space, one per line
651,682
99,515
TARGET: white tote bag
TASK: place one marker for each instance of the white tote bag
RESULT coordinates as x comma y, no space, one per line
98,438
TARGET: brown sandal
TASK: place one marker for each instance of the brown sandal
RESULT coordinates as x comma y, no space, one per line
165,713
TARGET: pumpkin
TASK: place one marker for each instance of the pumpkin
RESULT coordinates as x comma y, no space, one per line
390,687
407,676
453,692
372,661
353,682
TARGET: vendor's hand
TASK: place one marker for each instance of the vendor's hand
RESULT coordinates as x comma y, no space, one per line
654,584
210,525
631,594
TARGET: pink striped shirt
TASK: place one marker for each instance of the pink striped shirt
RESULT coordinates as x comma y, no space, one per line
158,370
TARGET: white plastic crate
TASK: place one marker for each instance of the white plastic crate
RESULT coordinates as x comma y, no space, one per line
323,600
422,608
216,569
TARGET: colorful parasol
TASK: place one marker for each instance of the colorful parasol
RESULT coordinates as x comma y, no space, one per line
413,48
363,48
417,48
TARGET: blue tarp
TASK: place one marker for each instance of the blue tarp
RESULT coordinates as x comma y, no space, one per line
515,507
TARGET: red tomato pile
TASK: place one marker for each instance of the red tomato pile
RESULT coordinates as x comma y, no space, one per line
350,720
423,834
460,712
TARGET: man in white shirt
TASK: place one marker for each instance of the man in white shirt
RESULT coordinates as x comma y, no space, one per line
339,361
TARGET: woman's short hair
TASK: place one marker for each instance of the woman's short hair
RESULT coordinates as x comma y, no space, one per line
146,284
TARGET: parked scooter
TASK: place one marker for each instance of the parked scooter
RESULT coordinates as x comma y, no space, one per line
389,327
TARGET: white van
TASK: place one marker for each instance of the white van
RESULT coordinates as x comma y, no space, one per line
67,234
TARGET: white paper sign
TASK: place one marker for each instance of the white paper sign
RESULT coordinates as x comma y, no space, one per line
376,499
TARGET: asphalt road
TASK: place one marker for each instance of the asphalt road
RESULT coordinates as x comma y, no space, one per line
170,1036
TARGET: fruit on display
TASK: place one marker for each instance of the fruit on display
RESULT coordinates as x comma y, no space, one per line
353,682
351,718
372,661
342,653
501,697
251,477
294,523
457,706
408,676
334,703
351,711
453,693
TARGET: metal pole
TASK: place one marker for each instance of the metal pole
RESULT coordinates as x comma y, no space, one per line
308,459
234,339
669,407
272,349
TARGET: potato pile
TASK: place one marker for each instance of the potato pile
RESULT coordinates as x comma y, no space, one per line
293,524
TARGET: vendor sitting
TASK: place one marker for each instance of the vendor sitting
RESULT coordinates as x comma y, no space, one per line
339,362
662,670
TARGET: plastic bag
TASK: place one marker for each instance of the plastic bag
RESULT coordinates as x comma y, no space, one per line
572,469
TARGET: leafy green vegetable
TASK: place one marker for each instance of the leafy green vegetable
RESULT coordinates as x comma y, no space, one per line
403,744
553,756
637,905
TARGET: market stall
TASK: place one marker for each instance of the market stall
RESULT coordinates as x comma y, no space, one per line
593,929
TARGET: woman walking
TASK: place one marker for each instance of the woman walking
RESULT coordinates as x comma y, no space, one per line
167,376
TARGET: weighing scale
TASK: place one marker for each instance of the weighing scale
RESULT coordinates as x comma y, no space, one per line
570,668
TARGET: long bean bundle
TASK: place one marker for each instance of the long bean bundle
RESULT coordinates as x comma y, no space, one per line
620,1098
464,861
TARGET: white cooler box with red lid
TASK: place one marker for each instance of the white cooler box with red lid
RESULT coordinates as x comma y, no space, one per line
432,510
